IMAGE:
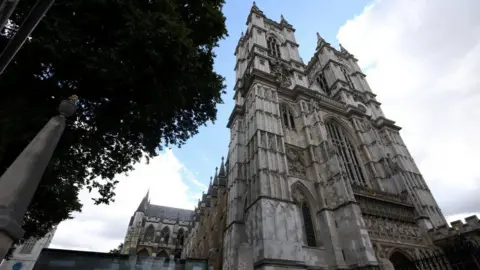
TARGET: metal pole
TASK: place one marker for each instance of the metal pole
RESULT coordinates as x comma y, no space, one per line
32,20
20,181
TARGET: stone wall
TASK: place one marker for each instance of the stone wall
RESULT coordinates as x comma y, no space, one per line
470,229
205,233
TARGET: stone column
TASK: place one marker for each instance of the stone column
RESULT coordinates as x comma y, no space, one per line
20,181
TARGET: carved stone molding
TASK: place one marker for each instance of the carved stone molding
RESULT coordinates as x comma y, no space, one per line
282,72
365,125
266,93
333,195
393,231
359,97
296,162
270,141
381,195
390,165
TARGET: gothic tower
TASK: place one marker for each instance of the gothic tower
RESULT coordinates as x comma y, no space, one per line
317,175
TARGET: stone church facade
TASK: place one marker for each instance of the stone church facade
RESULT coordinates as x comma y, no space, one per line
156,231
317,177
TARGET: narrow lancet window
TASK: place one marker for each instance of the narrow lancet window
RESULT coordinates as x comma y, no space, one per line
347,77
287,117
273,47
322,82
308,224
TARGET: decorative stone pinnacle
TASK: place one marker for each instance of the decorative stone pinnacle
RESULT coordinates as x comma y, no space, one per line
254,4
216,171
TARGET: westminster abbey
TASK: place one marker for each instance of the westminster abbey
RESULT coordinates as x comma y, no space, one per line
316,177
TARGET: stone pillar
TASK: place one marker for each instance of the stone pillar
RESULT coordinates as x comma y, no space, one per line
20,181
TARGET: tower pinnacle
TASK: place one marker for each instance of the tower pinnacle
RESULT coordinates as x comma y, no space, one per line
142,207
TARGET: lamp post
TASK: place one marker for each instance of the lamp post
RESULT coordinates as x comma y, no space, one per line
20,181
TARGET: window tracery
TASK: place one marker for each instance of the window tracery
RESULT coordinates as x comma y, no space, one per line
273,47
287,117
322,82
28,246
347,154
165,235
180,236
149,233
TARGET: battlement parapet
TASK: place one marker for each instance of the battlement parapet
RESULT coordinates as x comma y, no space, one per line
472,223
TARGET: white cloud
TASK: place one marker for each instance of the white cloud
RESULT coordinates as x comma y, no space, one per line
423,62
101,228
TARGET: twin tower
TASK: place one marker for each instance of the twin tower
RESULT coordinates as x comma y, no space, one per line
317,176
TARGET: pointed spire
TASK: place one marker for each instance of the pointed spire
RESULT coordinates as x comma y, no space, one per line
282,19
320,41
222,167
255,9
241,37
343,50
210,187
142,207
215,179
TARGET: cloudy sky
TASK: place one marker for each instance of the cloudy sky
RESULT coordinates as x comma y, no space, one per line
422,60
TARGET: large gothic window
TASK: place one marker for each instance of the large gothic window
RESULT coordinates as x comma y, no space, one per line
149,233
346,152
273,47
28,246
287,117
322,82
180,237
165,235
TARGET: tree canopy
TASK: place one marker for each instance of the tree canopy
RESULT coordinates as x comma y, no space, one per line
143,70
117,250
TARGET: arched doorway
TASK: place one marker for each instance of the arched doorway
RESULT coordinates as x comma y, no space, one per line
162,254
401,262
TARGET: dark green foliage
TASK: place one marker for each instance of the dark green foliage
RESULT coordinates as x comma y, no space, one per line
117,250
143,71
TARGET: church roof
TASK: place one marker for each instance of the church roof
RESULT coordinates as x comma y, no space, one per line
168,212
